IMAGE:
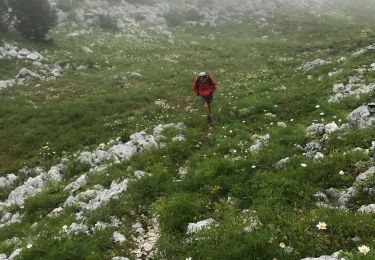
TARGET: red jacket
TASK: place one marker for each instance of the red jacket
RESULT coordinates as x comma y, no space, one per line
206,88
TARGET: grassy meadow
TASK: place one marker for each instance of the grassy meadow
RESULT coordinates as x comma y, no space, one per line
42,121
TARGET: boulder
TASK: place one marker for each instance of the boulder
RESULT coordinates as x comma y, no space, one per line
362,117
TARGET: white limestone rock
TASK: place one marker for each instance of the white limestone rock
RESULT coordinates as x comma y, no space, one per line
201,225
281,164
334,256
77,184
367,209
365,175
315,130
28,74
78,229
118,238
311,65
361,117
330,128
7,181
87,50
260,143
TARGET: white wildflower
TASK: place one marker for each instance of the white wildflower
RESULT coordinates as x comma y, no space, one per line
363,249
321,226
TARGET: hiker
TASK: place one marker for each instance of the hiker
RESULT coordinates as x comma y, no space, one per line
204,85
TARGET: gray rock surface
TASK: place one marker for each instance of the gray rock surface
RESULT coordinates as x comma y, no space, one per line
315,130
281,164
118,238
334,256
311,65
260,143
361,117
367,209
201,225
7,180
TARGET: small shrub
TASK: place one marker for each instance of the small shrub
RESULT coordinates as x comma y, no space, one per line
4,16
107,22
65,5
34,18
174,18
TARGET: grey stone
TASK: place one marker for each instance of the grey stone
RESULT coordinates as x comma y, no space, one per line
87,50
361,118
260,143
201,225
320,196
367,209
118,238
77,184
315,130
334,256
7,181
311,65
28,74
281,164
78,229
365,175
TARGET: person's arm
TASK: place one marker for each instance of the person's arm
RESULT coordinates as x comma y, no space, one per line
195,86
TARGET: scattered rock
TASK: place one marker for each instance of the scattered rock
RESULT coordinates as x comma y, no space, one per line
315,130
281,164
28,74
118,238
179,138
201,225
312,149
367,209
342,60
311,65
77,184
87,50
334,256
330,128
78,229
362,117
7,181
320,197
135,74
260,143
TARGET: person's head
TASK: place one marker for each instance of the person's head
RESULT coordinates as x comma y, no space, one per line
202,77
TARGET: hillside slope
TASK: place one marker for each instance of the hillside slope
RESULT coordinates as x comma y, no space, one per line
105,153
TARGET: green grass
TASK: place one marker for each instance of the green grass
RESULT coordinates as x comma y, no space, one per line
85,108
